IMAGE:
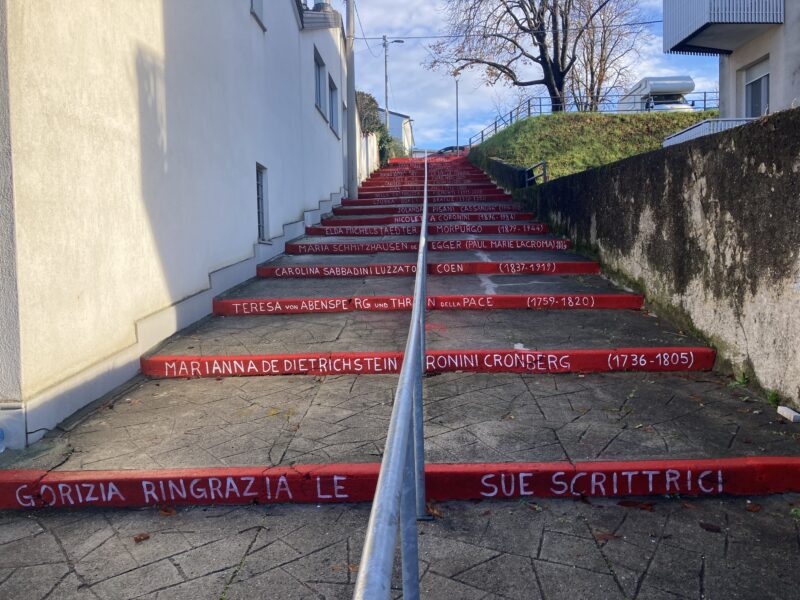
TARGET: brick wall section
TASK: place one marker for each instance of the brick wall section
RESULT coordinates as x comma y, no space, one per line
710,232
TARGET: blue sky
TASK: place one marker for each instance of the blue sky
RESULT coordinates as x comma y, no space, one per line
429,97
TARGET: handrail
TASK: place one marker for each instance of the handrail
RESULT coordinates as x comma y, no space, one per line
400,493
536,106
532,176
704,128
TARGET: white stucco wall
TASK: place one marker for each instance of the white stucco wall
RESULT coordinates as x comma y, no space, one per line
303,157
322,167
781,43
10,385
369,156
137,127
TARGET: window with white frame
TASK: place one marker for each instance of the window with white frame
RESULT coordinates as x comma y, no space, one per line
756,90
319,82
333,105
261,203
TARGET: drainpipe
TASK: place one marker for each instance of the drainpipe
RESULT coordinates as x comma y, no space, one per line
352,110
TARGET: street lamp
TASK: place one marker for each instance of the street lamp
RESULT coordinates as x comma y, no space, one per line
386,43
458,146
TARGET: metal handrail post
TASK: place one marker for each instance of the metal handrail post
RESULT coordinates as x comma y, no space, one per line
419,414
375,572
397,493
409,551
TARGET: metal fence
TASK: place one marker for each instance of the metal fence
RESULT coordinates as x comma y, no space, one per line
535,173
400,494
611,103
704,128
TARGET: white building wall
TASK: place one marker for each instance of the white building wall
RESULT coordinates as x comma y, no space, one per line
321,165
136,129
781,43
10,375
369,156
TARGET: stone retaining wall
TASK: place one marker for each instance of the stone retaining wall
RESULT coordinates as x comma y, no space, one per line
710,231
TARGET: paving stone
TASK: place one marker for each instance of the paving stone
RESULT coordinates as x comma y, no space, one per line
38,549
209,586
330,565
71,588
274,584
563,582
572,551
435,586
215,556
146,579
107,560
34,582
17,528
449,557
268,557
495,575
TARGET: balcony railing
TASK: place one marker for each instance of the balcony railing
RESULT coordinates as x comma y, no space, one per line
687,20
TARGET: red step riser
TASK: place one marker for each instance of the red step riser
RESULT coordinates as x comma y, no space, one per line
506,207
317,484
650,360
443,229
450,195
419,181
418,201
433,246
450,268
432,218
439,180
291,306
413,190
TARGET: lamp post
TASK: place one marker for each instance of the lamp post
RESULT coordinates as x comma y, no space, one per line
386,43
458,146
352,111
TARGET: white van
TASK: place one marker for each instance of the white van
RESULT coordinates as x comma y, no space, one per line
658,94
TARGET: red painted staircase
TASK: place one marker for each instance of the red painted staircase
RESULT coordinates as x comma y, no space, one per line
485,248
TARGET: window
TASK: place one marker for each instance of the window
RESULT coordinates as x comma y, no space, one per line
756,90
257,10
319,82
261,205
333,106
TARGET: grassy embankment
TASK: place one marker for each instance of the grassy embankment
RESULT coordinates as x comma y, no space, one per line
573,142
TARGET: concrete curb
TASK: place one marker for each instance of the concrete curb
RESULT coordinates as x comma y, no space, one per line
317,484
288,306
436,268
437,361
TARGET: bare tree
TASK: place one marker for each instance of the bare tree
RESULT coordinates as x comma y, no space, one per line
511,38
605,54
